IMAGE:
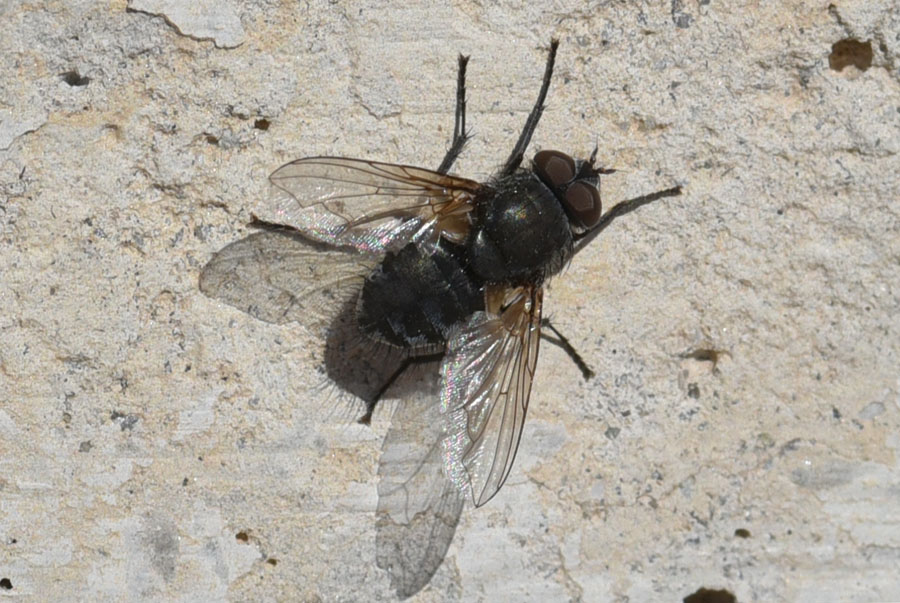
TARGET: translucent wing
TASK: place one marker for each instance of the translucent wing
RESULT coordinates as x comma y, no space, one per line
279,277
418,506
365,204
486,378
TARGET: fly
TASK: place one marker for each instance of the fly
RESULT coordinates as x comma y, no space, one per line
427,266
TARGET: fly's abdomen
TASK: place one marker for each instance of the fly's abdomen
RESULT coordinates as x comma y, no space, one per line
413,297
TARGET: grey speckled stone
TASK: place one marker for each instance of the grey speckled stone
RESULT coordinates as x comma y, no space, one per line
202,20
158,445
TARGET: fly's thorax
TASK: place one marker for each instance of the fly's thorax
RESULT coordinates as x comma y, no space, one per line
520,232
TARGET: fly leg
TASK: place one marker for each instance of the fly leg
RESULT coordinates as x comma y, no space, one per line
407,362
518,152
619,210
460,136
561,341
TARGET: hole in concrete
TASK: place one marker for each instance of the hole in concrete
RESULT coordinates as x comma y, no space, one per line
212,139
704,355
5,583
707,595
701,357
261,124
272,561
850,52
742,533
242,536
73,78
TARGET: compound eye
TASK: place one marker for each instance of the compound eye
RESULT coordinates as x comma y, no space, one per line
583,204
554,168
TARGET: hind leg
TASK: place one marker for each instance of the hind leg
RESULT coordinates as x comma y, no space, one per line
460,136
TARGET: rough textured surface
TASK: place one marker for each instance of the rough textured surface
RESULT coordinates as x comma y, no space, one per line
743,429
202,20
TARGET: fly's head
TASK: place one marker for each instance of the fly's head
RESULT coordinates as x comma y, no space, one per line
576,184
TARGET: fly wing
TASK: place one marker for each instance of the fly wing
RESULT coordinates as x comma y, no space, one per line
279,277
364,204
418,506
486,381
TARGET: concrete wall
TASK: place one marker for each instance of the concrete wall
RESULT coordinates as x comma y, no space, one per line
741,432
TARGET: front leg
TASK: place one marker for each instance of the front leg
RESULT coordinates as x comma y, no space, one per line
619,210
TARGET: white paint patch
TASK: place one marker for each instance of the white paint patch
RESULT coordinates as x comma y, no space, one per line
195,420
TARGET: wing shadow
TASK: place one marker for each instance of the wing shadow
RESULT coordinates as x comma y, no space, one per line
279,276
